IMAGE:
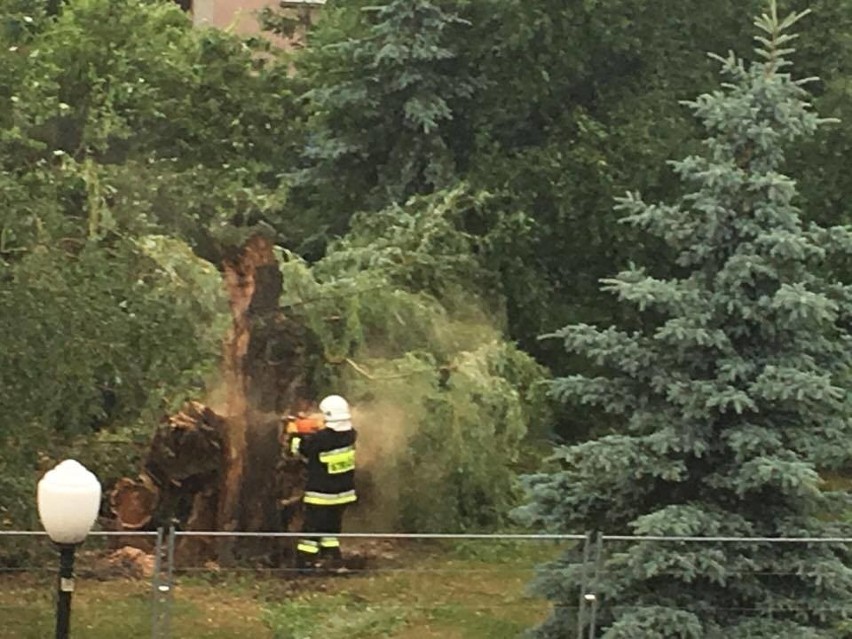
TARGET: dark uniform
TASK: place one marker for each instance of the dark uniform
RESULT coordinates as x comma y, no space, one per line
330,487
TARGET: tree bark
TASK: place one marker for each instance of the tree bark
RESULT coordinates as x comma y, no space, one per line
221,470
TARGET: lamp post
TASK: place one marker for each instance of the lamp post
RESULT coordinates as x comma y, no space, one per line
69,497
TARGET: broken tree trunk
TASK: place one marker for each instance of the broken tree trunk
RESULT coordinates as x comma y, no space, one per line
183,459
220,470
264,370
133,501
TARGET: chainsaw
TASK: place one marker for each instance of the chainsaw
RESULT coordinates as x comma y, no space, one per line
301,424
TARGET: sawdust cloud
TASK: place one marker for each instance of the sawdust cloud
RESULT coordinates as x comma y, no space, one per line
384,430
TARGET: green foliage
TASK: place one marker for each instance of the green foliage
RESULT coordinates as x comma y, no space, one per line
127,139
579,101
170,131
440,394
446,245
464,438
90,336
97,339
383,95
824,51
117,169
572,103
732,395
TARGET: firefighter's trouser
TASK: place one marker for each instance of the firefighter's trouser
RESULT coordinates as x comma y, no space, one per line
327,521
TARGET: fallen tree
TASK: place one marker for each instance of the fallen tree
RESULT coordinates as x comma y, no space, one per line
183,461
219,468
437,393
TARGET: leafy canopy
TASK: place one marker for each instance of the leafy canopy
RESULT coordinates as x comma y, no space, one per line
405,330
127,139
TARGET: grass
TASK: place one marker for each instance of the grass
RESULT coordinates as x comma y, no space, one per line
123,608
424,591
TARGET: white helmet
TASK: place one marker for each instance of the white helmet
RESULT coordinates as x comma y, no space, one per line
335,409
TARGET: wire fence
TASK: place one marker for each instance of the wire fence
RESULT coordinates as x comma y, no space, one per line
28,580
172,583
733,586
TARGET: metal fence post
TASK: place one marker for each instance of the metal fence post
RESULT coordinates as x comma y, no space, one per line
161,584
584,570
155,585
170,571
593,596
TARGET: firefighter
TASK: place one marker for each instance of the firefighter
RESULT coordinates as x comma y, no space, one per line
291,469
330,487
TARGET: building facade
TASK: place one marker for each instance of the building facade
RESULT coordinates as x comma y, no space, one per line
240,16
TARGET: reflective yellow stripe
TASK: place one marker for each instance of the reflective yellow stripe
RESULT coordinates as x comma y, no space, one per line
330,542
309,546
294,444
337,451
339,460
326,499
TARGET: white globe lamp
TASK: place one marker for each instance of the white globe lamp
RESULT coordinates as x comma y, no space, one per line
69,497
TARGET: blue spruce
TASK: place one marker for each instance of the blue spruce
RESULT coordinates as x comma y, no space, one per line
384,106
733,395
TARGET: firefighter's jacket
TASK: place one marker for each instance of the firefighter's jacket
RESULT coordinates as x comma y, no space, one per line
330,456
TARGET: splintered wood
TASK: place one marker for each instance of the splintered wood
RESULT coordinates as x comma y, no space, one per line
183,460
221,469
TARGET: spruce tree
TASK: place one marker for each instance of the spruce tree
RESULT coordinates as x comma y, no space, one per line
733,394
383,106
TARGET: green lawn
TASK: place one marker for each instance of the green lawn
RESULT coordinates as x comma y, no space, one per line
459,591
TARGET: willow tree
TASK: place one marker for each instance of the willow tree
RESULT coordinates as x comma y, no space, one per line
733,396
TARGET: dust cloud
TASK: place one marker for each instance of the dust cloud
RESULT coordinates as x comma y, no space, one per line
384,429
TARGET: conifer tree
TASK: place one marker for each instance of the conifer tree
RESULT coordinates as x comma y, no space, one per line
733,394
383,105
